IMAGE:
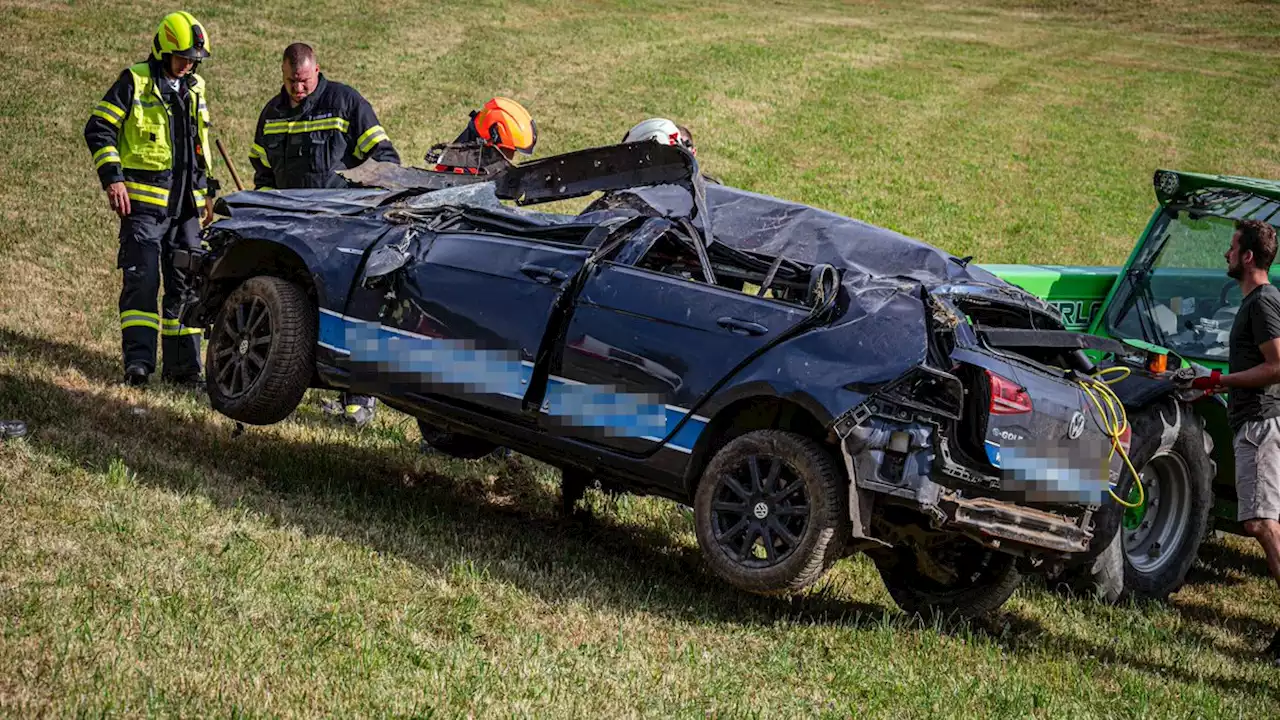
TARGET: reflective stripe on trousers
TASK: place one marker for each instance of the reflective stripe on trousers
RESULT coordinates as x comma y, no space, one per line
176,328
147,243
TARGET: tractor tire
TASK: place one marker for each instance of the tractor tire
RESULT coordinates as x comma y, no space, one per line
1173,455
1160,541
1102,577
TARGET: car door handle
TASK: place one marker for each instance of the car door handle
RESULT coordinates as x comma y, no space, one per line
543,274
742,327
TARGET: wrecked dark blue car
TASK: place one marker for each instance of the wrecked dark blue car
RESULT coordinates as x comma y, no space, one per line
811,385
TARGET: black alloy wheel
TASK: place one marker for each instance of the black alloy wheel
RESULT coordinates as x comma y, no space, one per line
243,345
770,512
760,511
261,354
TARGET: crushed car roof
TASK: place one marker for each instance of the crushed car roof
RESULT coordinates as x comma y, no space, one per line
772,226
650,178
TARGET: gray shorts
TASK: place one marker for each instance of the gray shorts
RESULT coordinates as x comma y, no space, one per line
1257,447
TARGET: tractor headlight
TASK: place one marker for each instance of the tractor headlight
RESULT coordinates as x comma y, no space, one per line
1166,182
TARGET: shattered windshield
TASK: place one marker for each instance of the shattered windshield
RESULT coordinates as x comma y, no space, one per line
1186,302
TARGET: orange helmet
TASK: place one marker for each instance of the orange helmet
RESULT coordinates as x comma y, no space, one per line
506,125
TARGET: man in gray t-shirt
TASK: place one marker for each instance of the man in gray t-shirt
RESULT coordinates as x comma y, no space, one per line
1254,384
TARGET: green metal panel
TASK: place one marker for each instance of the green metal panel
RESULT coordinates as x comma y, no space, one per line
1078,292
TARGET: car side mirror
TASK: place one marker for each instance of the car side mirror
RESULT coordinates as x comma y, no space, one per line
824,283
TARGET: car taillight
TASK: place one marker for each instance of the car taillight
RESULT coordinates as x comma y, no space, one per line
1007,396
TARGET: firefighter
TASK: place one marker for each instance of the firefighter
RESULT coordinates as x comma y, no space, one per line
490,141
308,132
668,133
313,128
660,130
149,139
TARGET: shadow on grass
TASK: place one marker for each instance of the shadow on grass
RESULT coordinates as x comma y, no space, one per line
381,497
54,353
1222,563
1024,636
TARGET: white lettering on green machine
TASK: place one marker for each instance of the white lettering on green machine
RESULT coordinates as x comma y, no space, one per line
1077,314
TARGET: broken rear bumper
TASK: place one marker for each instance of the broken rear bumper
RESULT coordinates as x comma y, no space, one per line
997,524
899,454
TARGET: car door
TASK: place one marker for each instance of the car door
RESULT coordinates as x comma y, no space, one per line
642,347
463,319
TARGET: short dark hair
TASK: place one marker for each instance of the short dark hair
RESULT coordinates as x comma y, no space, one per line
1259,238
299,54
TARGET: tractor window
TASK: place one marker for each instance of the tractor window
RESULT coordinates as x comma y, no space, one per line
1186,302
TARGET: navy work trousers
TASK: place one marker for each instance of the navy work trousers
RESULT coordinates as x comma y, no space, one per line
147,242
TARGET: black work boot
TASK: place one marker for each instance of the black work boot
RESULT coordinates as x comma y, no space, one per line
10,429
136,374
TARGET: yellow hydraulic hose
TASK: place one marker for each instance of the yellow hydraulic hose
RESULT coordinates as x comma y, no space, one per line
1114,422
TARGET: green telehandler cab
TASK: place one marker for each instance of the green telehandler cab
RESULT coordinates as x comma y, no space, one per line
1173,297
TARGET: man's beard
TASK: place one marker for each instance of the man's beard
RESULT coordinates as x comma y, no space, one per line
1235,272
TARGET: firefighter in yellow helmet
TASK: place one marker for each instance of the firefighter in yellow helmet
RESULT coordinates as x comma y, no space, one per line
490,141
149,140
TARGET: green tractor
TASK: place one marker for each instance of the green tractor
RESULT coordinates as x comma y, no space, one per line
1173,298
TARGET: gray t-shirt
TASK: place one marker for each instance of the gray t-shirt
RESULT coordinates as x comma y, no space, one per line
1257,321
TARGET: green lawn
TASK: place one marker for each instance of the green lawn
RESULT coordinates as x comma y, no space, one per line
150,563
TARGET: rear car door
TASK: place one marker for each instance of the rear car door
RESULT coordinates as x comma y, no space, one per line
643,347
463,320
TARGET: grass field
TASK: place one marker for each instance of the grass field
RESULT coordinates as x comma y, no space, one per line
150,563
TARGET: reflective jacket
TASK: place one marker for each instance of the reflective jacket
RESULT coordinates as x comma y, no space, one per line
333,129
152,140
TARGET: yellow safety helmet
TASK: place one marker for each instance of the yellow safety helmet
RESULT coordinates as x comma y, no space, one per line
505,124
180,34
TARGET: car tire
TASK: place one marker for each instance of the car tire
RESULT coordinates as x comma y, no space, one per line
769,512
261,353
463,447
991,582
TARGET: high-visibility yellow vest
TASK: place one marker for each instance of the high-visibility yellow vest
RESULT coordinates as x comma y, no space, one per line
145,141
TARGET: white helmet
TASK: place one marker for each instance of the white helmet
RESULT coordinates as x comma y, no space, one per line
657,129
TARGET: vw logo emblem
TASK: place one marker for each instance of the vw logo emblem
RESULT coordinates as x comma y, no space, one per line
1076,429
761,511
